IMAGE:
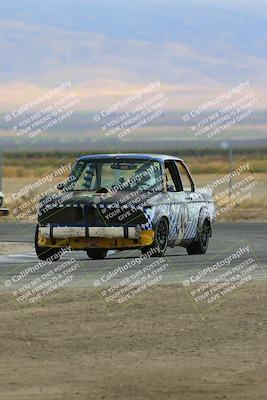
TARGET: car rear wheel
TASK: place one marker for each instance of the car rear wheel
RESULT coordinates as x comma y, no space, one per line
200,246
160,243
97,254
44,253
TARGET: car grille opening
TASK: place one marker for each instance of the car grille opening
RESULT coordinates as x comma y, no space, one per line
118,216
92,216
64,215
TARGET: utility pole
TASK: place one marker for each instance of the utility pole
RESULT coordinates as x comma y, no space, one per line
228,146
230,169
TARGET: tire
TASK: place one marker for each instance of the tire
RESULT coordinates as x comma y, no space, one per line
97,254
160,243
200,246
43,253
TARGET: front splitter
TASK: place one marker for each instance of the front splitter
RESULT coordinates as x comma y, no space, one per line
81,243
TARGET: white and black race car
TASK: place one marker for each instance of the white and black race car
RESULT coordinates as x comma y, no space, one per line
125,201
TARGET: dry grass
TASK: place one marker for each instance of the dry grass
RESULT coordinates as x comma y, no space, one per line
205,170
19,165
254,208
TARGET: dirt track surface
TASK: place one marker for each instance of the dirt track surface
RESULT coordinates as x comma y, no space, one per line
157,347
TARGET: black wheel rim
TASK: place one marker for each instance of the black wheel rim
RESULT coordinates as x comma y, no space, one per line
162,235
204,235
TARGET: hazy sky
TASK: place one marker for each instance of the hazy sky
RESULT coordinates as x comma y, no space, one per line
110,48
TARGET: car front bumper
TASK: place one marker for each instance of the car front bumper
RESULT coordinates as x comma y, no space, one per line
79,238
66,232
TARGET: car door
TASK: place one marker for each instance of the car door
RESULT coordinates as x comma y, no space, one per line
193,200
179,212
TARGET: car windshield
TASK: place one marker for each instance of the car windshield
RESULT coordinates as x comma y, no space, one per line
116,174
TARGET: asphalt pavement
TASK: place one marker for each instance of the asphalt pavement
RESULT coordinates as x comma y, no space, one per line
239,241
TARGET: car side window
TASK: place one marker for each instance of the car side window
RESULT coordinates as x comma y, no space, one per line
85,176
172,177
187,183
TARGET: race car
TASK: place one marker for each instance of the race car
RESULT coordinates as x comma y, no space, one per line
125,201
3,211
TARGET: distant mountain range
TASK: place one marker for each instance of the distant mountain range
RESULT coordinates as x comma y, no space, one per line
81,130
109,50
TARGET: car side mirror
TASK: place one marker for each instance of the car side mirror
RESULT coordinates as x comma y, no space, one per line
61,186
170,188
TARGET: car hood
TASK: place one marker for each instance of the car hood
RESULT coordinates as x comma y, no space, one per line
132,199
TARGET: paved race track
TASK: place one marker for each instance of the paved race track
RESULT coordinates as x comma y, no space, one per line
227,239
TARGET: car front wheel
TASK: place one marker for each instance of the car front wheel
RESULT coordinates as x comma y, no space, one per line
45,253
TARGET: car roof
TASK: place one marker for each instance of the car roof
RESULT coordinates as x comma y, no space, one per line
141,156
